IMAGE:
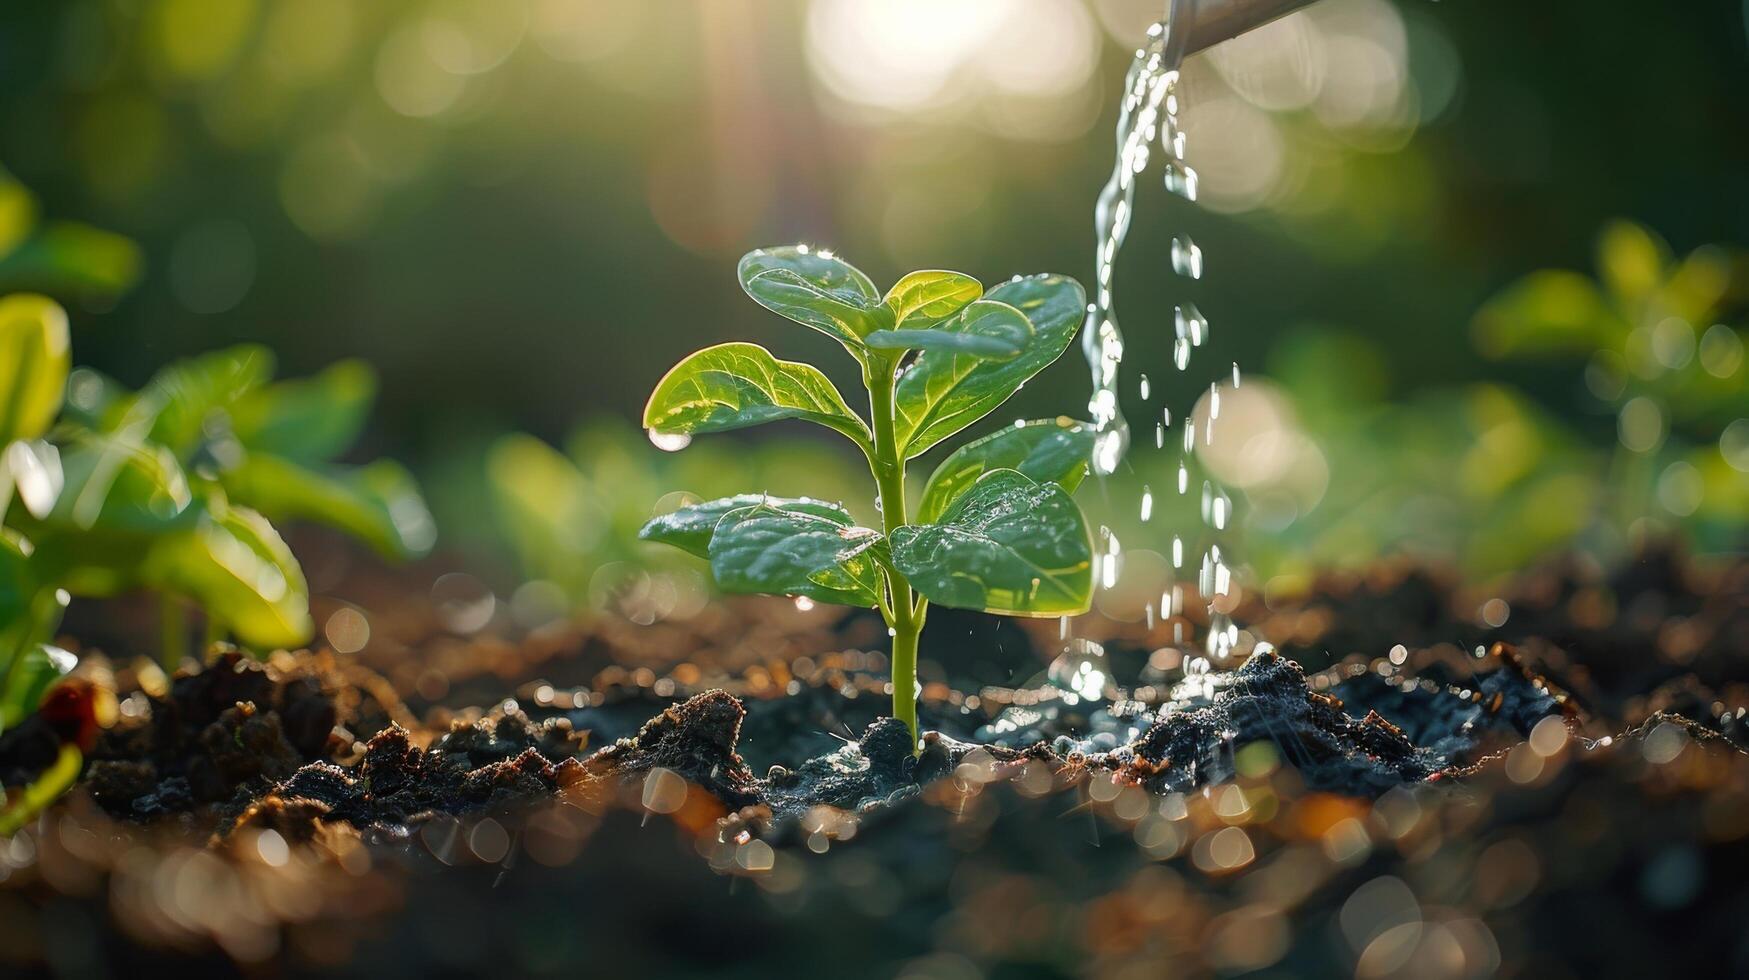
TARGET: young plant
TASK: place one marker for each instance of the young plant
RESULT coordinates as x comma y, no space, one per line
995,528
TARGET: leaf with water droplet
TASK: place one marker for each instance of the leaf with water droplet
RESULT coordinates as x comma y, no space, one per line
732,386
942,392
690,528
984,329
923,299
816,289
771,550
1047,450
1009,545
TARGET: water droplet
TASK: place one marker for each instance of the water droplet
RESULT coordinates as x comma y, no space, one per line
804,603
1189,323
1181,353
1181,180
1159,435
669,442
1177,551
1145,388
1186,257
1147,503
1235,374
1080,668
1214,401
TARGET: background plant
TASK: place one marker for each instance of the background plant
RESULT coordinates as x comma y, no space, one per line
995,528
173,489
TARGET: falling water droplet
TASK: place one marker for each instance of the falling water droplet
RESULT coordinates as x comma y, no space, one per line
1147,503
1235,374
1166,415
1177,551
1189,323
1214,401
1181,180
1186,257
1145,388
1159,435
1181,353
1183,478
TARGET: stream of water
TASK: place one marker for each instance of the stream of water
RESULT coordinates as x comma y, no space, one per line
1149,115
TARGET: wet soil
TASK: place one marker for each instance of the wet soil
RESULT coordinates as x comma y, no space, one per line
1396,790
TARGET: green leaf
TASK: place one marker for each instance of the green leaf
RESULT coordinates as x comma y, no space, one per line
923,299
764,549
1631,262
1548,311
731,386
1008,545
183,398
18,588
29,678
235,565
114,483
67,257
34,358
984,329
378,504
690,528
943,392
817,289
1049,451
310,420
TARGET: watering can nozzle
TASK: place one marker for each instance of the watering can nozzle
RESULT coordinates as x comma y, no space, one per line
1214,21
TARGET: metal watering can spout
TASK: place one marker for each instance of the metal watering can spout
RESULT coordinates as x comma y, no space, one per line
1213,21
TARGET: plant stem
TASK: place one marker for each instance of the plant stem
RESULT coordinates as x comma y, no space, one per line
904,611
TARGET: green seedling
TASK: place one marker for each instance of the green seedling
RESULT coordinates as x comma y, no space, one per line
995,528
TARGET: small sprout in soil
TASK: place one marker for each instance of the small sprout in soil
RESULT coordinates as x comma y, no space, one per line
995,528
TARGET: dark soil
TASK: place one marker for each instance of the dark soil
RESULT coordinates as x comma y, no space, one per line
1392,814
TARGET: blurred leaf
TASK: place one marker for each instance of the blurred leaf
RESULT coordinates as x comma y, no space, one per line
190,394
118,484
29,678
544,502
17,213
763,549
235,565
18,586
921,300
1049,451
942,392
95,400
309,420
984,329
690,528
1008,545
1548,311
66,257
1630,262
732,386
40,792
816,289
33,365
378,503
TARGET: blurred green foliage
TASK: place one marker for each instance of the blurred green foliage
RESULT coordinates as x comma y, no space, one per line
172,489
